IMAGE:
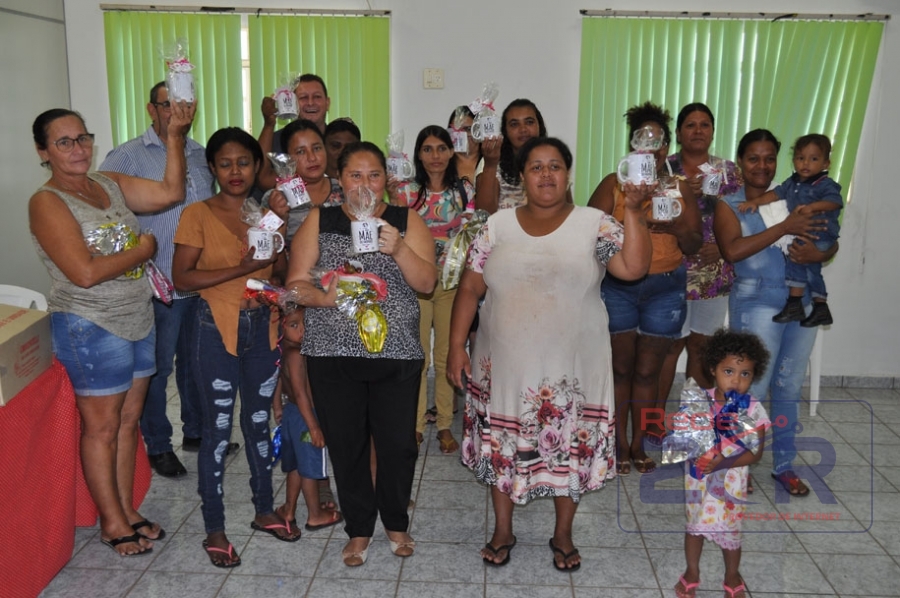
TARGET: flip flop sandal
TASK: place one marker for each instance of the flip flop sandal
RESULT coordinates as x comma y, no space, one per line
271,530
233,559
495,551
623,468
336,518
566,556
690,589
326,498
134,538
740,590
145,523
646,465
431,415
448,443
793,484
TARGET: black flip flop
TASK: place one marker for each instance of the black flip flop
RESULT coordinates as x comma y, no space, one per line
566,555
507,547
271,530
135,538
231,553
335,519
145,523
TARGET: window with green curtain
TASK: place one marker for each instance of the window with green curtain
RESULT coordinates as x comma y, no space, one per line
134,64
791,77
350,53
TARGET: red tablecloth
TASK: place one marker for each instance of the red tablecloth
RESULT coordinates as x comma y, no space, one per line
42,491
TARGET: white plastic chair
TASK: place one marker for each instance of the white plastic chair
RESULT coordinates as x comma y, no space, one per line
815,373
22,297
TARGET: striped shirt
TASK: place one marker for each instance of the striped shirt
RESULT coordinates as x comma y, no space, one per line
145,156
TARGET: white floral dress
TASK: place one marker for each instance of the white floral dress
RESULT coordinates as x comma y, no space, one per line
540,413
716,504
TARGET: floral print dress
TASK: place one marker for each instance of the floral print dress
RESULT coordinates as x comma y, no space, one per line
540,413
716,504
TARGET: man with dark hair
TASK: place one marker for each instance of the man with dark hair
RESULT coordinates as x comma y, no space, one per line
145,156
313,103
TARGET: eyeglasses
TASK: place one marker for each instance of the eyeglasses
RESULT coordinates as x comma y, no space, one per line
67,144
167,105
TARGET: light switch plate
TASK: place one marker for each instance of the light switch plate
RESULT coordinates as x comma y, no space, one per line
433,78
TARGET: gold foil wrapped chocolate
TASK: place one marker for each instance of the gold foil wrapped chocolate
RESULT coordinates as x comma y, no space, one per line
458,248
111,238
357,298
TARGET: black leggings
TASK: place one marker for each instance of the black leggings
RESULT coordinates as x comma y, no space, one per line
358,398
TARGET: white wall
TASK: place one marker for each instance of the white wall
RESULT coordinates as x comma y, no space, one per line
532,48
35,78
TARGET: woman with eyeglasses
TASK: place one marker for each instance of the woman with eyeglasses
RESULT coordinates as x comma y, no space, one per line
100,312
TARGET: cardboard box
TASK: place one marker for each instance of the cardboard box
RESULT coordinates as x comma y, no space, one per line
24,348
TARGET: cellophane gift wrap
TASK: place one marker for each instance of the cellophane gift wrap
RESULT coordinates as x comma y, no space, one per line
458,248
287,181
358,295
692,430
111,238
179,80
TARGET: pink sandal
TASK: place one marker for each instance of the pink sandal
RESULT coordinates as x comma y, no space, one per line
690,589
738,592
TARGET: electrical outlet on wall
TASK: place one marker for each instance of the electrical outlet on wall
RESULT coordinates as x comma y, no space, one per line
433,78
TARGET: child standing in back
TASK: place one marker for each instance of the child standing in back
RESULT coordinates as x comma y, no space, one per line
810,187
302,441
714,504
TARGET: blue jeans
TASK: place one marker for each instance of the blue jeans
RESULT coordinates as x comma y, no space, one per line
220,376
803,275
174,328
752,303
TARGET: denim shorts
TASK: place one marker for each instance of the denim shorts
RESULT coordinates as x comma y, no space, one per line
705,316
98,362
653,306
296,453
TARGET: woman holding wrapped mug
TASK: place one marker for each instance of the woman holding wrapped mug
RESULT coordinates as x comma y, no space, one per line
444,201
234,349
647,315
709,276
365,380
100,311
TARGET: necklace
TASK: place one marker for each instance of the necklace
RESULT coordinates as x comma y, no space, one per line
98,203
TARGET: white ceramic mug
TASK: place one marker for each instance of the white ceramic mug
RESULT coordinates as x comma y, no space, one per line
294,191
637,168
400,168
711,184
180,87
666,208
460,141
266,243
365,235
286,104
486,126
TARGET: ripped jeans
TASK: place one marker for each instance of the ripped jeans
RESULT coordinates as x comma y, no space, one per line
219,377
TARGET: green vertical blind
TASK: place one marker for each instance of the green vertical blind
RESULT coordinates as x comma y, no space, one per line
790,77
351,53
134,64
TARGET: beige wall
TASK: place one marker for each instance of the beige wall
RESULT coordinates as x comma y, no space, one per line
34,76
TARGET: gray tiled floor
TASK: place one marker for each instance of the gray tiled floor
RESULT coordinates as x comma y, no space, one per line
630,536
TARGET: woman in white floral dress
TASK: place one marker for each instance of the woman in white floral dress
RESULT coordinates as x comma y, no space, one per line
539,407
